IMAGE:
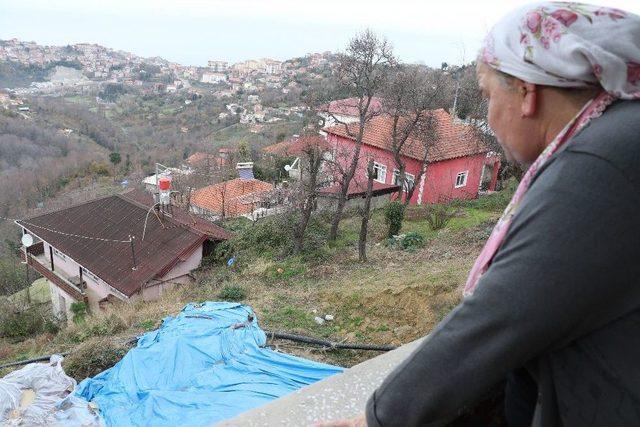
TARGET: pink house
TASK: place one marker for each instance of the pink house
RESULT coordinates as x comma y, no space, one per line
115,248
458,163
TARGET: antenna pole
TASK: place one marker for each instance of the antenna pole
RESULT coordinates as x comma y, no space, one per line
133,253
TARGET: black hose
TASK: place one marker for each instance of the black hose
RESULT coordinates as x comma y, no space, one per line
26,362
309,340
328,344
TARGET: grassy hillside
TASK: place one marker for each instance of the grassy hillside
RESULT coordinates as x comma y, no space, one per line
394,298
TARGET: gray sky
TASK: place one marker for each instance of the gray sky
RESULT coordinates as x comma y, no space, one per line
193,31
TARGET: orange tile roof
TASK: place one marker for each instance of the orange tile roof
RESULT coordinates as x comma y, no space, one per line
199,157
296,146
238,196
454,138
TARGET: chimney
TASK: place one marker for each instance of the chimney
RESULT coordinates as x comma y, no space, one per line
245,170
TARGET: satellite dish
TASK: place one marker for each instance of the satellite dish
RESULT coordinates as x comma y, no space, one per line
287,168
27,240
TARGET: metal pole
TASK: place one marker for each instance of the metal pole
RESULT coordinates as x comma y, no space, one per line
28,282
133,253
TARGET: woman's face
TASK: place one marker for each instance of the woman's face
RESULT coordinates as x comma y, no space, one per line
515,130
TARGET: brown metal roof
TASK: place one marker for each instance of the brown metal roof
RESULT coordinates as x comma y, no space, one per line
213,231
106,225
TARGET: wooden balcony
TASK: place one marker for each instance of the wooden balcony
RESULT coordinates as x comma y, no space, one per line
36,260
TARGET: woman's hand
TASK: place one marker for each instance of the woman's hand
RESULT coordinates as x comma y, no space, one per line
359,421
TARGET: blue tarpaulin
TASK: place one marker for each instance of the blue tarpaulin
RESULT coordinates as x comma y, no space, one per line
205,365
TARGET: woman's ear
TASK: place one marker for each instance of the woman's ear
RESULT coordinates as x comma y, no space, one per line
529,100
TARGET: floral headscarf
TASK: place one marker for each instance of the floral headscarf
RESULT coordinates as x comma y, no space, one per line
568,45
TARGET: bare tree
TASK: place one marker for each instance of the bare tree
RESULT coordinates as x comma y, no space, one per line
363,70
409,100
313,156
365,213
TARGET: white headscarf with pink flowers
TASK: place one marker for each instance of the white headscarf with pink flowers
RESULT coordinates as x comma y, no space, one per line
568,45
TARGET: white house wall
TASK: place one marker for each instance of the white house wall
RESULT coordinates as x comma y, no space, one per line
177,275
96,290
58,309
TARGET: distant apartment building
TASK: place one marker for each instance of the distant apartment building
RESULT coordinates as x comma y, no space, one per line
213,78
218,66
272,66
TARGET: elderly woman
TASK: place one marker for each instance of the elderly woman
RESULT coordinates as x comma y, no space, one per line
552,303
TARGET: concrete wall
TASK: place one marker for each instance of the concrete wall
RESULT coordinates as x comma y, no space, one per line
341,396
61,302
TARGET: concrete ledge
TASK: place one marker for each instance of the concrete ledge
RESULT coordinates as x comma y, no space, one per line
340,396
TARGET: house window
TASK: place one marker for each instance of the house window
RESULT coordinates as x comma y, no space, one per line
410,180
87,273
461,179
379,172
59,254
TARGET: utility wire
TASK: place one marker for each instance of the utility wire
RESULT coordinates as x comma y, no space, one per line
65,233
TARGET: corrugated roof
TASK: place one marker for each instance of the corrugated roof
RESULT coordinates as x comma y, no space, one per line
213,231
454,138
116,218
237,196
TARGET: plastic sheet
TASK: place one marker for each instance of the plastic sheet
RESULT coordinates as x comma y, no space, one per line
205,365
28,396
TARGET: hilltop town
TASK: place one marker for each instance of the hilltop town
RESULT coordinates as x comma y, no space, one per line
97,64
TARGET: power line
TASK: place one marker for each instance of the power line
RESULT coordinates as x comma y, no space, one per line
51,230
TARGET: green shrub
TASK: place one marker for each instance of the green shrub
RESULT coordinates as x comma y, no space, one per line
272,237
412,241
79,310
393,216
407,242
232,293
438,216
93,357
19,323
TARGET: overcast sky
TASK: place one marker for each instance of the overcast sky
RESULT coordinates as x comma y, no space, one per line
193,31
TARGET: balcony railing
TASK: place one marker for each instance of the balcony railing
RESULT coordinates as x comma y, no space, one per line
35,258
